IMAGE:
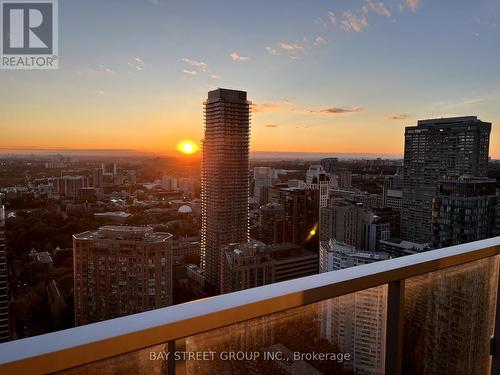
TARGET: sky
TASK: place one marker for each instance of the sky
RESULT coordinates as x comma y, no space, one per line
323,76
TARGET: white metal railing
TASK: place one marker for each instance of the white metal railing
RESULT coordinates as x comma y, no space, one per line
86,344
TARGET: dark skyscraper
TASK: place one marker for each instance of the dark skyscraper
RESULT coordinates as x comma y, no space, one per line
4,290
463,211
330,165
434,150
300,217
224,178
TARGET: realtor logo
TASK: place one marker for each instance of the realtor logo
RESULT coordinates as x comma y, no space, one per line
29,34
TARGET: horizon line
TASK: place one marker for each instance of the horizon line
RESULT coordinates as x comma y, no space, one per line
5,151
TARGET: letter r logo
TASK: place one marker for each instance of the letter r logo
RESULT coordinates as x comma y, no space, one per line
27,27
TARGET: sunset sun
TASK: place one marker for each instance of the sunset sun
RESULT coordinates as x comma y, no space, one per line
187,147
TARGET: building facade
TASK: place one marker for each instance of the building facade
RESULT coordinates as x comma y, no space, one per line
252,264
300,224
270,223
437,149
392,195
347,221
355,322
262,178
317,178
120,270
224,178
463,211
330,165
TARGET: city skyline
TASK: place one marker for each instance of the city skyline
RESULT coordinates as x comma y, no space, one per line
250,187
326,73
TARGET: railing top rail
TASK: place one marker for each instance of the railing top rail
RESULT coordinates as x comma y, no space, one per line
85,344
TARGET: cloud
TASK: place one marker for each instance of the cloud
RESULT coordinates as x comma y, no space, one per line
302,127
235,56
486,23
100,92
280,106
413,4
105,69
287,106
463,102
199,64
271,126
320,21
291,47
352,23
377,7
319,40
136,63
272,51
333,18
336,110
100,70
398,116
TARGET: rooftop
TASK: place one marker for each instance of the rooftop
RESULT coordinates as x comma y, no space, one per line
228,95
122,232
404,244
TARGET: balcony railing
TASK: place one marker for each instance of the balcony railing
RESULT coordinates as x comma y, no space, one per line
435,312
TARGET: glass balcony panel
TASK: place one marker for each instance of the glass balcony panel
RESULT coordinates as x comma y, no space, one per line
449,319
349,329
148,361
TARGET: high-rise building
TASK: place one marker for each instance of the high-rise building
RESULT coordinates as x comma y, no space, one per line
109,168
120,270
497,216
356,322
169,183
224,178
261,178
186,185
270,223
300,216
369,201
68,186
252,264
392,217
392,195
340,220
316,178
348,222
463,211
97,177
345,179
4,286
330,165
437,149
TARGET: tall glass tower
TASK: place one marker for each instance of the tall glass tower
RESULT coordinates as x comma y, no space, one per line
224,178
